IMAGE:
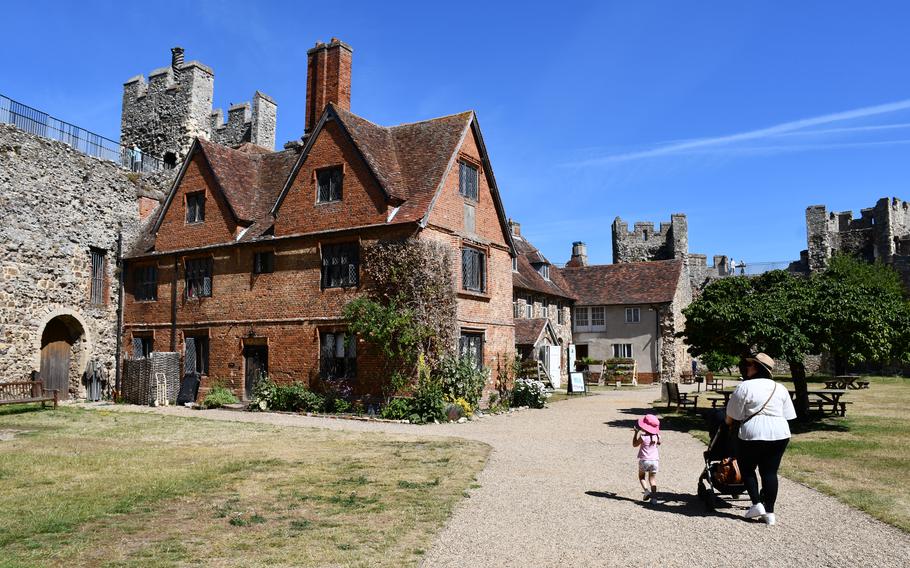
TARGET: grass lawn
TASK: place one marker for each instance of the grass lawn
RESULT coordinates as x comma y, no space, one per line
862,459
91,488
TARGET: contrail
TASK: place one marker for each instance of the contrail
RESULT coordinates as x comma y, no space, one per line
777,130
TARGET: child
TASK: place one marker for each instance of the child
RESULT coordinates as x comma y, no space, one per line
647,435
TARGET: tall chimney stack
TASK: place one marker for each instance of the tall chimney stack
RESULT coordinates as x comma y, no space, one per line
328,79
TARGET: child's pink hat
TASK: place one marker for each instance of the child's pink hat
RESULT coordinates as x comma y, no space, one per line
649,423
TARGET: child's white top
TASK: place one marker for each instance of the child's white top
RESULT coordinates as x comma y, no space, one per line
771,423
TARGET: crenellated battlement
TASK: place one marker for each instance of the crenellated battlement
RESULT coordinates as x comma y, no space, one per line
875,235
644,242
162,115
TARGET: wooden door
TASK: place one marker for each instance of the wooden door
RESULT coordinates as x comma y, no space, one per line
56,350
256,361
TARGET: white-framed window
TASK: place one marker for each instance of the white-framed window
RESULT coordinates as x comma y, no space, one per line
514,264
633,315
529,307
545,308
544,271
581,319
560,316
598,318
623,350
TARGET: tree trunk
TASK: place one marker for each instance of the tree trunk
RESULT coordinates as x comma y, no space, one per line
840,365
798,372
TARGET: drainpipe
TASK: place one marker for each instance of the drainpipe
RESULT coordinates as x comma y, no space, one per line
174,307
119,353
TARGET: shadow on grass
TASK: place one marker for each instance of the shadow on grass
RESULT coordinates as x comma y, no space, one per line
679,503
14,409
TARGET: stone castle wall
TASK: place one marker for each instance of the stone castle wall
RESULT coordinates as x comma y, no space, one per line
161,116
644,243
878,233
56,205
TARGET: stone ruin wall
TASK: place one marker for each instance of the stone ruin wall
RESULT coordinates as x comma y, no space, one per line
878,234
644,243
56,203
164,114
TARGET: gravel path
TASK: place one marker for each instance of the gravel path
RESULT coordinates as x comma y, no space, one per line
560,489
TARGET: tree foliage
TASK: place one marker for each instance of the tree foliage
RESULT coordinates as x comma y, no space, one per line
855,311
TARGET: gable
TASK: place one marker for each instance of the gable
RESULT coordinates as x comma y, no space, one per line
219,226
448,209
362,199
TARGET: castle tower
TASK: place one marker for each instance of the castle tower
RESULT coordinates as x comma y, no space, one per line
644,243
163,115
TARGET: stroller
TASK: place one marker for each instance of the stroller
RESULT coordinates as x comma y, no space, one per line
722,446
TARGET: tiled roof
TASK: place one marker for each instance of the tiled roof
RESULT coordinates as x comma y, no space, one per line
249,177
652,282
527,331
408,160
527,277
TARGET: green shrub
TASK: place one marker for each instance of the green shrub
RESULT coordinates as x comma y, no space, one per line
460,378
337,404
219,396
296,397
263,393
397,409
429,398
528,392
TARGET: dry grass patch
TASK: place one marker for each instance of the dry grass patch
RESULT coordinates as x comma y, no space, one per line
89,488
862,459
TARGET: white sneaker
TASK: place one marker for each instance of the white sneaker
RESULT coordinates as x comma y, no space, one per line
755,511
646,496
769,519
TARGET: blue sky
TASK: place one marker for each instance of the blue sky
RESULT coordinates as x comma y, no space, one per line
738,114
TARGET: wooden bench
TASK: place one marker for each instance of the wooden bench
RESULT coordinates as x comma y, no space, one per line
684,400
21,392
715,400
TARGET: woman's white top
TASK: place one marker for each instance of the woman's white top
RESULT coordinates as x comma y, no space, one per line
771,422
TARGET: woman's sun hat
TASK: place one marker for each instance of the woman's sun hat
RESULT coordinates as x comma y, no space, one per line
762,359
649,423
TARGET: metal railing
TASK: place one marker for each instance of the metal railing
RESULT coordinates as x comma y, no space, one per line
756,268
40,123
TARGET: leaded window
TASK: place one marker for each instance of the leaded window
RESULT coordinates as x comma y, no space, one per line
328,183
633,315
473,270
99,259
143,346
263,262
198,277
467,180
195,207
196,354
146,282
470,346
337,355
340,263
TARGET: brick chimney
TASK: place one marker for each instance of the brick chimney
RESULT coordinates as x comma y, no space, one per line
328,79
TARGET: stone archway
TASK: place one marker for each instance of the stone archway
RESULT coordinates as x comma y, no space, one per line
62,354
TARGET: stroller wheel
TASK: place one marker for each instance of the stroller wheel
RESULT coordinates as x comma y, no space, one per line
701,491
710,501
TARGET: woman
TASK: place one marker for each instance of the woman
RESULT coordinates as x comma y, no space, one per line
763,408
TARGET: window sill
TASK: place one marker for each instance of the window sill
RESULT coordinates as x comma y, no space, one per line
474,295
335,289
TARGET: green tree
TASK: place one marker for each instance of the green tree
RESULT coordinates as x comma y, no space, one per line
860,312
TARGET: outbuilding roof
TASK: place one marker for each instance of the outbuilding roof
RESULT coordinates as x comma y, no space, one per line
653,282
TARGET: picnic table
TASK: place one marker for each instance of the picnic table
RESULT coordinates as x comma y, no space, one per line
842,382
826,398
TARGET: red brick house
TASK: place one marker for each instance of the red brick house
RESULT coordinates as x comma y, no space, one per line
254,253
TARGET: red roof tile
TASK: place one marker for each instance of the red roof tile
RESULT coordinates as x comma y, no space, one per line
528,278
652,282
527,331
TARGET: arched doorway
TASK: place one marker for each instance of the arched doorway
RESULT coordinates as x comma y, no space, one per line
58,342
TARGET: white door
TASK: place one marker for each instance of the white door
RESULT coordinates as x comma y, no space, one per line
554,364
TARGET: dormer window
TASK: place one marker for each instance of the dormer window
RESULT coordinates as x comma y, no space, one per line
195,207
467,180
544,270
328,183
514,264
